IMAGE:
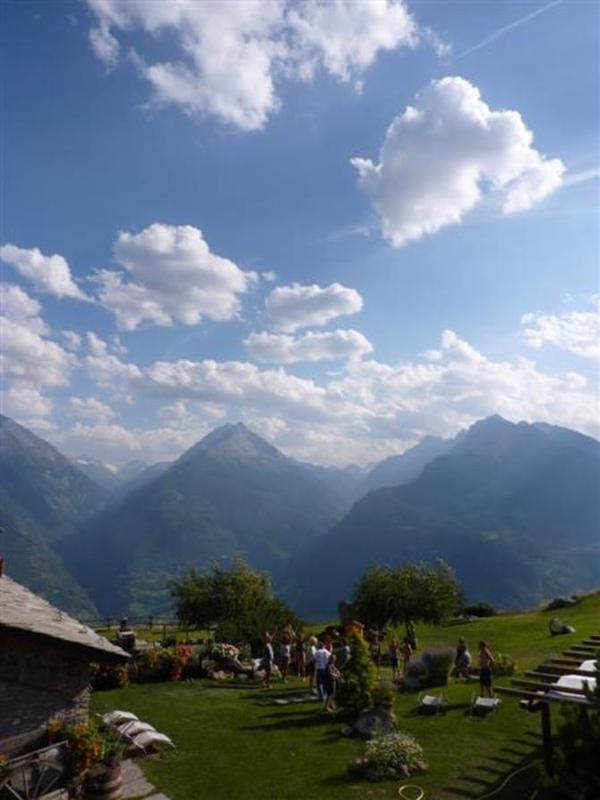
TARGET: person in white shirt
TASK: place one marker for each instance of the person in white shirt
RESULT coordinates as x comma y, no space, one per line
267,661
310,663
321,659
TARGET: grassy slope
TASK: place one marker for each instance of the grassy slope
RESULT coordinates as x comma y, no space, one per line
235,743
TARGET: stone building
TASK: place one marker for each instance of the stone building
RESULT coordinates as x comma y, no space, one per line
45,658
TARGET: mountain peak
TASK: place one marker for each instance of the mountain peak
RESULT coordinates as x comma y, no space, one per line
233,441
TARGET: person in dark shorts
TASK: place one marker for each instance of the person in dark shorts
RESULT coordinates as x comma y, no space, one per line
486,675
394,650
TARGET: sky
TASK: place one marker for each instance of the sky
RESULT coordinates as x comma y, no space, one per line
346,224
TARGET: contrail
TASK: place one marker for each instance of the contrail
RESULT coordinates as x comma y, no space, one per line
516,24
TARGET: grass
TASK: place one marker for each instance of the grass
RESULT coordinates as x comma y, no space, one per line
235,743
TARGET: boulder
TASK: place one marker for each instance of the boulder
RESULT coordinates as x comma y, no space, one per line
557,627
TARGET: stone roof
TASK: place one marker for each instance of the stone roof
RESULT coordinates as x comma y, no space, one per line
23,610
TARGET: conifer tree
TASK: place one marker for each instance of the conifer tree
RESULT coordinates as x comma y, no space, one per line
358,677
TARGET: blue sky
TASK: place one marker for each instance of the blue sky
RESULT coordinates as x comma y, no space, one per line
116,119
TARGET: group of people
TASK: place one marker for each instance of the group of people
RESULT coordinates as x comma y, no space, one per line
311,659
316,661
463,662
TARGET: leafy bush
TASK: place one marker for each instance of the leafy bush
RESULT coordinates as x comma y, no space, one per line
504,665
163,663
382,695
108,677
358,677
480,610
396,755
438,664
431,669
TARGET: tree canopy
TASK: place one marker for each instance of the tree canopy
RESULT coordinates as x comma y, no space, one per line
417,592
235,600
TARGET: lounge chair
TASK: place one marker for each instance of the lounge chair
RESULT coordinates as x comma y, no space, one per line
481,706
118,717
430,703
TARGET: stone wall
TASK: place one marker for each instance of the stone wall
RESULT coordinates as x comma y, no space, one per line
39,679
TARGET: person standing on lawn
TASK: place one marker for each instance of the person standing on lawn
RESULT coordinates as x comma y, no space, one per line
462,662
407,651
267,661
332,675
286,654
376,652
321,660
394,650
310,663
343,653
486,675
300,656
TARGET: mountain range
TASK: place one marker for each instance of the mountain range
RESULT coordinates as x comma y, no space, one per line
512,507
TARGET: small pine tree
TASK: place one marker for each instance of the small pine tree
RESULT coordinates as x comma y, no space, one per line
358,677
576,775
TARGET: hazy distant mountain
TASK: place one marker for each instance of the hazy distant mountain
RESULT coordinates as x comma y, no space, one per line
231,492
129,471
513,508
141,478
98,471
401,469
43,497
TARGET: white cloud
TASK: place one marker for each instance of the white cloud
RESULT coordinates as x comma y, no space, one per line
171,276
281,348
25,403
229,57
18,306
345,37
91,409
50,274
96,345
104,44
292,307
72,340
577,332
28,358
443,154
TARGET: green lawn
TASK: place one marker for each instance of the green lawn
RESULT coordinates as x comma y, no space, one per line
234,743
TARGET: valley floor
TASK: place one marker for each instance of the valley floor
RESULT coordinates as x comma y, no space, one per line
235,743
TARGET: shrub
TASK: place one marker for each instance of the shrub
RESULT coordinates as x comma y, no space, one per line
438,664
164,663
396,755
431,669
382,695
480,610
504,665
108,677
358,677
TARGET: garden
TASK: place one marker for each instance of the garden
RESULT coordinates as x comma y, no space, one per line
235,740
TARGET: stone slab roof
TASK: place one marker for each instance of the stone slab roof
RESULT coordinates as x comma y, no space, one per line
23,610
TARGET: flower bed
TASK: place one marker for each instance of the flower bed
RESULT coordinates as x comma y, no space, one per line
396,755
